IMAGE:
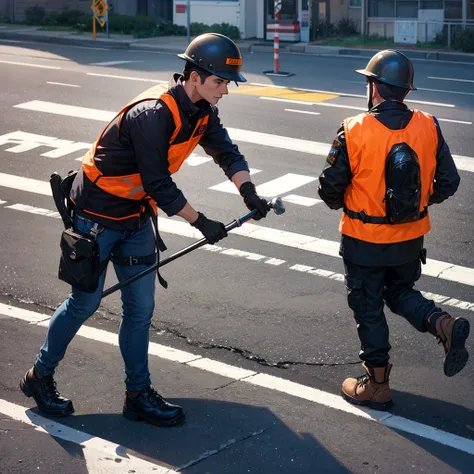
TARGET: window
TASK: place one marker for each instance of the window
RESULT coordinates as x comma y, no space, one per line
382,8
406,8
355,3
431,4
452,10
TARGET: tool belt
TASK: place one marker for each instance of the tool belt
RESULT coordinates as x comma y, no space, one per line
79,263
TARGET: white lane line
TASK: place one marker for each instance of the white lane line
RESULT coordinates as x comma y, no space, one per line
177,228
463,122
269,382
363,96
433,268
450,79
229,187
445,91
283,184
68,110
100,455
302,112
248,136
277,141
464,163
29,141
127,78
61,84
25,184
322,104
196,160
301,200
34,210
41,66
113,63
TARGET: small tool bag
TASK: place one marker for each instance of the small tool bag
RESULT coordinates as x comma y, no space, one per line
79,264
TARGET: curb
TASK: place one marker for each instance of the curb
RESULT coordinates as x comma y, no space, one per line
250,48
63,40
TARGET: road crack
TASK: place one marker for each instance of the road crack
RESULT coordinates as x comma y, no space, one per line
222,447
285,364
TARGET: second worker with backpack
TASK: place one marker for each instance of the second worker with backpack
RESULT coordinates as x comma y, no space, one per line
385,167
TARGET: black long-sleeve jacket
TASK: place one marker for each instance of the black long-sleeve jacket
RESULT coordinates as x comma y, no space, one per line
336,177
142,146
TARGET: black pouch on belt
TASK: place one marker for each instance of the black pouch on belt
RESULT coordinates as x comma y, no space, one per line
79,264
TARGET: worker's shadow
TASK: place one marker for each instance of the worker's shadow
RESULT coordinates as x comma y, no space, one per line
218,437
436,415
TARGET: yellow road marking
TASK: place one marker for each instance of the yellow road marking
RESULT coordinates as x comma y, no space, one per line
283,93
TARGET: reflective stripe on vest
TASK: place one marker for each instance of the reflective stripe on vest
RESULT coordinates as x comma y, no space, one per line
368,144
131,186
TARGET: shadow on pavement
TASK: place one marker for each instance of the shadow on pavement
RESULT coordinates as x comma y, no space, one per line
218,437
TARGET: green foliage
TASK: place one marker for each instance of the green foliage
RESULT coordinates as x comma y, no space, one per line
35,15
441,38
346,27
166,28
71,18
323,29
464,40
223,28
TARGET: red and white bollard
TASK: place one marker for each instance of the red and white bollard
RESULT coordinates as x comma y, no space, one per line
276,38
276,45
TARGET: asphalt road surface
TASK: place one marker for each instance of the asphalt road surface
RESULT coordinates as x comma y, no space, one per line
253,336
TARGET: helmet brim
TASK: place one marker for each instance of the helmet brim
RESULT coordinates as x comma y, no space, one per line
366,73
235,77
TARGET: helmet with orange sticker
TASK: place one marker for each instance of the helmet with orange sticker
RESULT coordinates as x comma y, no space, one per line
216,54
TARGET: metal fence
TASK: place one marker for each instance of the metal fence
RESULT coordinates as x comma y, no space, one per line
415,30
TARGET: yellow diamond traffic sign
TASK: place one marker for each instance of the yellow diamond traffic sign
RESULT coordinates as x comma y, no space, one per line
100,7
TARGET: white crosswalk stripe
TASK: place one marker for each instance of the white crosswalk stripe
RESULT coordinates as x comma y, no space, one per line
433,268
23,141
464,163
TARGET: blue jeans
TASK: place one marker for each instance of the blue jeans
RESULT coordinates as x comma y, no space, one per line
138,301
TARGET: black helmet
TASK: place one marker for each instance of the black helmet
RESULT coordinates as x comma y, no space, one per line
216,54
390,67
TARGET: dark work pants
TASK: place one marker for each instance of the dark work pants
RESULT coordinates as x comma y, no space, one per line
367,290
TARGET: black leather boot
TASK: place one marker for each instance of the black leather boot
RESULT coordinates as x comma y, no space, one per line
47,398
150,406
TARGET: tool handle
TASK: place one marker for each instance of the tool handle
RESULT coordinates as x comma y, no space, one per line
200,243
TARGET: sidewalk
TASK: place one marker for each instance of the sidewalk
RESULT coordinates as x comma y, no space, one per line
178,44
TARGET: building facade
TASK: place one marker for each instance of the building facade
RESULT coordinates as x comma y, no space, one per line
256,18
14,10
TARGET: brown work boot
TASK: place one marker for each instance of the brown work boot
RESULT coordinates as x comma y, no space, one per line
452,333
371,389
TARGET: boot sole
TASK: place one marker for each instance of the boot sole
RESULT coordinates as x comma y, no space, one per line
457,357
27,392
381,406
134,416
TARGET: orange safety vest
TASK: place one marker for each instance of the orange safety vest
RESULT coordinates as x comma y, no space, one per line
130,186
368,144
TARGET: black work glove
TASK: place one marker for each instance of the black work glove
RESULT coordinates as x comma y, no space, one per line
253,200
213,231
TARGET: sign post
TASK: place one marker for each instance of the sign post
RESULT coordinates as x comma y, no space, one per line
100,9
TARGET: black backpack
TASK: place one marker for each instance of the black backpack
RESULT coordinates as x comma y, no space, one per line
403,185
